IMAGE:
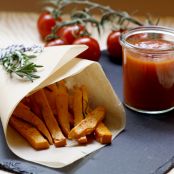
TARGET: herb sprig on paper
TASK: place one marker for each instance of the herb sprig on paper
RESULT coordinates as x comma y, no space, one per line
16,60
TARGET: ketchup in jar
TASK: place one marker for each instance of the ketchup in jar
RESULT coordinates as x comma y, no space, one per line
148,69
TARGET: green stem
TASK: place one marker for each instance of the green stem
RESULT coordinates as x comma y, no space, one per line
93,5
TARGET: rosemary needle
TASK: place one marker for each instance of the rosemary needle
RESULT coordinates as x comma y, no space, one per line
16,59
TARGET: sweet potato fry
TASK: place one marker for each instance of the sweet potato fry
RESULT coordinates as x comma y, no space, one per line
102,134
88,125
78,112
62,108
50,120
30,133
71,119
77,106
51,92
85,102
34,106
70,103
24,113
26,101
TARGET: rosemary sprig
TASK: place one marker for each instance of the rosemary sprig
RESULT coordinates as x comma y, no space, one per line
16,59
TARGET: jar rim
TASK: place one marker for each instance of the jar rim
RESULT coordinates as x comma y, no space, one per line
146,29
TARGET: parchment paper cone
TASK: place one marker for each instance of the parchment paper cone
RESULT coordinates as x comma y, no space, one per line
59,64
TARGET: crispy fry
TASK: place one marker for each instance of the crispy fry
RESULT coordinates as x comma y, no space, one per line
30,133
62,108
88,125
34,106
26,101
103,134
70,103
51,92
78,113
82,140
24,113
50,120
77,106
71,119
85,101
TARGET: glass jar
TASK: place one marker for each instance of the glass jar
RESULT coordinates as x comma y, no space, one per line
148,69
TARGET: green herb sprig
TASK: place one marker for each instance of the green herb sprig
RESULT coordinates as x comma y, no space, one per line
16,59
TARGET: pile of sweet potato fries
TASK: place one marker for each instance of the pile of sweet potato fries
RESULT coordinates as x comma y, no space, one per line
54,114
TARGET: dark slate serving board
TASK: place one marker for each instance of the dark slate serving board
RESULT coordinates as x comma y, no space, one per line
146,146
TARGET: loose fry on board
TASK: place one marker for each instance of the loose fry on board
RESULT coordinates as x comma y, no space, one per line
30,133
78,111
50,120
62,108
88,125
23,112
102,134
51,92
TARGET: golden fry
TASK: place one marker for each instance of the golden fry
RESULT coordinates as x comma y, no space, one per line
62,108
24,113
50,120
85,102
26,101
82,140
77,106
71,119
30,133
102,134
34,106
51,92
88,125
70,103
78,112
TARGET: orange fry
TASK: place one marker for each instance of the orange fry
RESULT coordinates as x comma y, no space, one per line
30,133
85,102
88,125
26,101
62,108
34,106
70,103
71,119
50,120
78,113
51,92
24,113
102,134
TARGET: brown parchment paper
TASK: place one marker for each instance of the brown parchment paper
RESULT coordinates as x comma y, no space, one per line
59,64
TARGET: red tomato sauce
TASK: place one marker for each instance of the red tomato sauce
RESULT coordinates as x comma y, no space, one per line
149,80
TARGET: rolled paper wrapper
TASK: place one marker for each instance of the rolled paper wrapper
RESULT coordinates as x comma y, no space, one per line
59,63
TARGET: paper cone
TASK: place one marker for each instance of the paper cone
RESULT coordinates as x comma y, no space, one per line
58,64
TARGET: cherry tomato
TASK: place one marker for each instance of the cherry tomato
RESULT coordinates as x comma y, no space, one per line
70,33
56,42
113,46
93,51
45,23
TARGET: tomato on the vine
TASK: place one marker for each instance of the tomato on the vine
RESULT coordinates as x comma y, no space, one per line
45,23
70,33
93,52
56,42
113,46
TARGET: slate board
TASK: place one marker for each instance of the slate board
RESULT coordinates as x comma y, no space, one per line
146,146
